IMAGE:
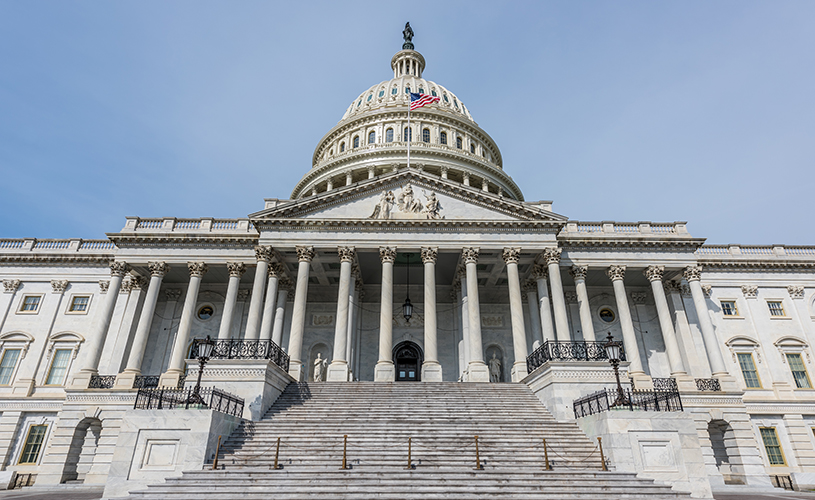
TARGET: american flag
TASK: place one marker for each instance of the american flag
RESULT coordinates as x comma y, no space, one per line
419,100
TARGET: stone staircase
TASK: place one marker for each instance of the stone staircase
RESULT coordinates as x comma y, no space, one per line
441,420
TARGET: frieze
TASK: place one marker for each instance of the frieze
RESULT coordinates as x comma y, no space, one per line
437,226
11,404
322,319
492,321
711,402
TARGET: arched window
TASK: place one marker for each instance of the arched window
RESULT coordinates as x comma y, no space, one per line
394,91
433,93
458,142
356,141
381,92
371,137
389,135
407,90
443,138
472,148
360,102
455,102
445,98
342,147
370,96
408,136
421,90
426,135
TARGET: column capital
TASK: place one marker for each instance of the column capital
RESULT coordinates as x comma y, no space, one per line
103,286
305,254
540,272
579,272
470,255
387,254
284,283
672,286
795,291
530,286
429,254
172,294
552,255
138,282
615,273
654,273
11,286
511,255
263,253
707,289
236,269
693,273
158,269
59,286
119,268
276,270
346,254
198,269
127,285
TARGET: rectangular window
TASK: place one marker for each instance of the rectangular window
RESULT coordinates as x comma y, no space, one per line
773,447
59,367
7,364
776,308
748,369
33,444
30,303
729,308
79,304
799,371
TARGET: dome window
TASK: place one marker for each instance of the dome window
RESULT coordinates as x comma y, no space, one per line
342,147
407,90
421,90
472,148
408,136
458,142
389,135
381,92
360,102
356,142
443,138
372,137
455,102
426,135
433,93
445,98
370,96
394,91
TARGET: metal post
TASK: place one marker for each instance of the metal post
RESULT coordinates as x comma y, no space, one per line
217,449
277,466
344,451
478,465
602,457
546,455
410,463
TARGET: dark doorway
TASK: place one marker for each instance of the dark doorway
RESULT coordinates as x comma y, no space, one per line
407,357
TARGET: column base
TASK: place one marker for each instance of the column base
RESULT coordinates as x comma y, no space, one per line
24,387
296,370
684,382
641,381
478,371
126,379
170,378
384,372
337,372
519,371
727,382
82,380
431,371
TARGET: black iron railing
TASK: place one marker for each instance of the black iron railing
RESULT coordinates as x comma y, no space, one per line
172,399
146,381
246,349
782,481
604,400
102,382
665,384
568,351
708,384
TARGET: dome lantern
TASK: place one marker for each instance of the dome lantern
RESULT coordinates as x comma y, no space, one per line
407,62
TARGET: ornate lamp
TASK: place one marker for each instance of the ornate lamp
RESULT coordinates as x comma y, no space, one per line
205,348
613,351
407,307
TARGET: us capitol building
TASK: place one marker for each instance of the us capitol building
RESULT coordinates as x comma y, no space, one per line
386,269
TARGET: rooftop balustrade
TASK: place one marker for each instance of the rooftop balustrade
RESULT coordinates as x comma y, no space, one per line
61,246
203,225
753,252
639,229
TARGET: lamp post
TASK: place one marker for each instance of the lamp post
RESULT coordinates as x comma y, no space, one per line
613,351
204,352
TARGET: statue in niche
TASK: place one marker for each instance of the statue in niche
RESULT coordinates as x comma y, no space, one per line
319,367
495,368
383,209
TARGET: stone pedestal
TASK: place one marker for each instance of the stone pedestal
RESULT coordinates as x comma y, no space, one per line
337,372
384,372
478,371
518,371
431,371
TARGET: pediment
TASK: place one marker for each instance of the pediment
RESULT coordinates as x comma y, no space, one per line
408,195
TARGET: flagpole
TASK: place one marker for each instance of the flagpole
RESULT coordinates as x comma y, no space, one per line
410,132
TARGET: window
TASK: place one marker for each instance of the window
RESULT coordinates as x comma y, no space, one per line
33,444
421,90
79,304
433,93
607,315
356,141
458,142
455,102
381,93
31,303
776,308
773,447
205,312
799,371
394,91
445,98
389,135
443,138
342,147
7,365
729,308
370,96
472,148
748,369
426,135
59,367
407,90
371,137
408,136
360,102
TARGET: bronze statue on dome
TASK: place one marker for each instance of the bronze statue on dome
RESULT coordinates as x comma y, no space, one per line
407,34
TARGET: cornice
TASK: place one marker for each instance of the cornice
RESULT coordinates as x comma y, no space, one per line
185,240
375,225
769,407
754,265
638,243
89,260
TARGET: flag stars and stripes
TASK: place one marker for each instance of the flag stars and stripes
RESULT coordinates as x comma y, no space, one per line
419,100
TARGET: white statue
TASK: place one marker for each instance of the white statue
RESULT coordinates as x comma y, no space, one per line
495,369
431,208
319,367
384,207
406,201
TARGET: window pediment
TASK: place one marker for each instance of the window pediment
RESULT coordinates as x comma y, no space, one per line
20,340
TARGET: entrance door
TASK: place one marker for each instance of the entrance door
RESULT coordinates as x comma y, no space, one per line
408,360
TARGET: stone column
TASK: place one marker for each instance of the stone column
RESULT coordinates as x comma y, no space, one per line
632,352
264,255
465,321
99,330
338,369
173,374
431,369
654,275
283,287
350,349
531,290
693,274
298,318
385,371
552,258
586,324
133,368
516,310
275,271
541,274
236,270
477,370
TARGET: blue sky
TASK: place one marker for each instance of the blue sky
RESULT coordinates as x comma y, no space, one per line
695,110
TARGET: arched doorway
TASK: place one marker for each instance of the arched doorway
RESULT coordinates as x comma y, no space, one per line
407,356
722,442
83,448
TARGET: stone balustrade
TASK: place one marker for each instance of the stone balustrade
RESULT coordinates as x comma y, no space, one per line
414,146
638,229
780,252
74,245
202,225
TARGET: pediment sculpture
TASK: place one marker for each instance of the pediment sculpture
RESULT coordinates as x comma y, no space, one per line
406,205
